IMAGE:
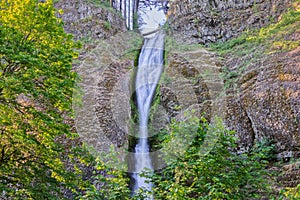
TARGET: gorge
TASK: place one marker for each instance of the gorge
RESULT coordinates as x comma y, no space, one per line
127,99
187,64
190,23
149,71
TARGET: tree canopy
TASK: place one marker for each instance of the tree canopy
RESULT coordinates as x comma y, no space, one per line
40,158
36,82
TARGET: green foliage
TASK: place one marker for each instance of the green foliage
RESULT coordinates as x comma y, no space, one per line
272,36
251,46
263,150
220,174
112,185
292,193
102,4
172,45
107,25
230,77
225,47
39,157
135,21
109,180
36,85
136,41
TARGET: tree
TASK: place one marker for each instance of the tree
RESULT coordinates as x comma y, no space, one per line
36,82
219,174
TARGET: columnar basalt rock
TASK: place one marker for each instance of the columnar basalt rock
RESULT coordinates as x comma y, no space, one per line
290,174
264,104
271,101
192,76
87,21
206,21
110,124
104,118
128,8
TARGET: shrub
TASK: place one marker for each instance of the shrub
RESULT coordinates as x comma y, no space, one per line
220,174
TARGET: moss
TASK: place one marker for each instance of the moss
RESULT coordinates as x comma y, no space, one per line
134,52
101,3
272,37
107,25
247,49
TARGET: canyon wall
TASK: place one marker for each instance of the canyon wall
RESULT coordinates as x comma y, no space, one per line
206,21
263,101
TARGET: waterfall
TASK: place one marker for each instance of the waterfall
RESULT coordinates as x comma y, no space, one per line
149,70
129,8
150,67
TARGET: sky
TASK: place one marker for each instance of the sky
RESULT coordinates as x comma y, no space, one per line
151,17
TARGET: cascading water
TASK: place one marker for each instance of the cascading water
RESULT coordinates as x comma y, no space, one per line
149,71
150,67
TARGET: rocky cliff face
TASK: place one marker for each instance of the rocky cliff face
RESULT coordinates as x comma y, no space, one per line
103,119
263,105
88,21
266,102
262,101
184,87
259,111
206,21
101,68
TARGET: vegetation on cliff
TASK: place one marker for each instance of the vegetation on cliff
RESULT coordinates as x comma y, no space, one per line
273,36
36,86
41,158
219,174
259,68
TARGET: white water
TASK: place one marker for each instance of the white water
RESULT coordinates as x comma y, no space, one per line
150,67
149,71
151,16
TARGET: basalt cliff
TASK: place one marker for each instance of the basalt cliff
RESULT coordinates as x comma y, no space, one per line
254,86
